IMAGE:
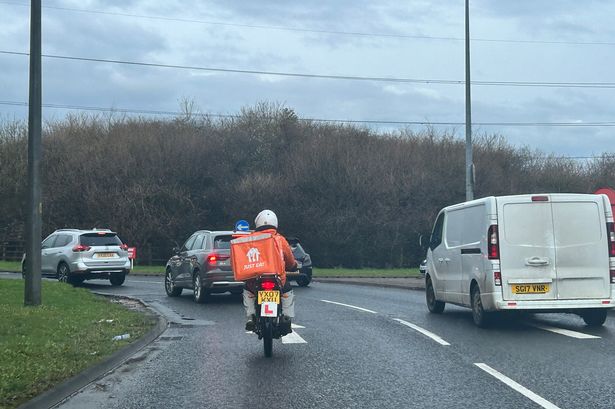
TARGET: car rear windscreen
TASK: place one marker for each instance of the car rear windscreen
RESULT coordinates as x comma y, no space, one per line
222,242
99,239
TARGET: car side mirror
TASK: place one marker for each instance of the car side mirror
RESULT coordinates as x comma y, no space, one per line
176,250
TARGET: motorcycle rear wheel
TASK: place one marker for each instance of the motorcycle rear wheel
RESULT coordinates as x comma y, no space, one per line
268,339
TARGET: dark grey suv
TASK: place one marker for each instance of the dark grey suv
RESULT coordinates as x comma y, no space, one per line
203,265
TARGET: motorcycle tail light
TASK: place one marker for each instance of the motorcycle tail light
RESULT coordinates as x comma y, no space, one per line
268,285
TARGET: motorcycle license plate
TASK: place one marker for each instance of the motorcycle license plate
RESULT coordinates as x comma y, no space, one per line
268,296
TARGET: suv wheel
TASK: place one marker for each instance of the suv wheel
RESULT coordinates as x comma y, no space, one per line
303,281
169,286
64,273
117,279
200,294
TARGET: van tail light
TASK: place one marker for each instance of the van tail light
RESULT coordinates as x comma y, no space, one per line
493,244
80,247
268,285
214,258
612,276
610,235
497,278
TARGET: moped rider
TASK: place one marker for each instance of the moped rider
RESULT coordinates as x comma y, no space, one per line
267,222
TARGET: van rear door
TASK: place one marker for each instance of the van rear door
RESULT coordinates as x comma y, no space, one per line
527,248
581,247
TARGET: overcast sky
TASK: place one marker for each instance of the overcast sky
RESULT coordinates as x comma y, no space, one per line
564,41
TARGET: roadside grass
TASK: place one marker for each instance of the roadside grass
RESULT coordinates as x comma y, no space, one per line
42,346
10,266
153,270
366,272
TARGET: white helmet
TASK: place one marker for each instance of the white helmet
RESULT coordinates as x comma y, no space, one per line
266,218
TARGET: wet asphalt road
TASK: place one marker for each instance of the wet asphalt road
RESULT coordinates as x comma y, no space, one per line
354,358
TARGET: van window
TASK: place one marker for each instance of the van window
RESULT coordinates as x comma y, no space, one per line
436,234
576,223
454,227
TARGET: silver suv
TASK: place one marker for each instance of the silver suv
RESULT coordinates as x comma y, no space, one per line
76,255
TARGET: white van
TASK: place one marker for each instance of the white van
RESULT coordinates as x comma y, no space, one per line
543,253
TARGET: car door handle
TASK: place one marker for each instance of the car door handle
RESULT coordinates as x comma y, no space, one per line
537,261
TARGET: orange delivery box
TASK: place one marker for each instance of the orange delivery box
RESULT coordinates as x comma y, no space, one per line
255,254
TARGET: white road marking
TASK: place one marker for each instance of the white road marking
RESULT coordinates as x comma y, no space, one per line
423,331
350,306
293,338
562,331
519,388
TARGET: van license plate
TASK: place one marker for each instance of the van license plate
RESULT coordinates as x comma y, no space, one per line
268,296
530,288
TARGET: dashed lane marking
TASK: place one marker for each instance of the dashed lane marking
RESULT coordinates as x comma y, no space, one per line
423,331
562,331
293,338
519,388
350,306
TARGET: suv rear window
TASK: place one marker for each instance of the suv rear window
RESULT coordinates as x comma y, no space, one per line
99,239
222,242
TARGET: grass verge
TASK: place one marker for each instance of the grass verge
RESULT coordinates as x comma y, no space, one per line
42,346
10,266
366,272
153,270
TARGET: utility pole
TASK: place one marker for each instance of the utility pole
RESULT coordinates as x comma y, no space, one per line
469,163
32,291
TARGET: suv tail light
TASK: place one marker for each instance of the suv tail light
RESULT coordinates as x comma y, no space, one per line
80,247
610,236
214,258
124,247
493,243
268,285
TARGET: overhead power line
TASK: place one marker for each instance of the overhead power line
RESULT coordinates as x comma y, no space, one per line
598,85
314,31
327,120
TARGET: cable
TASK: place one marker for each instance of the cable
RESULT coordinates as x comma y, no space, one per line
315,31
599,85
326,120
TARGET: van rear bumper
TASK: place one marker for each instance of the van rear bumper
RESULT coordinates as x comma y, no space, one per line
551,305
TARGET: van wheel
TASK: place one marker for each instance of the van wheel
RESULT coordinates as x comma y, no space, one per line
479,315
594,317
433,305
